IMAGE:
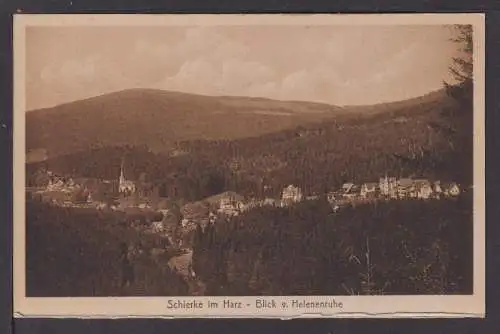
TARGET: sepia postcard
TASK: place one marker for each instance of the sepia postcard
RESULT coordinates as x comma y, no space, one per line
261,166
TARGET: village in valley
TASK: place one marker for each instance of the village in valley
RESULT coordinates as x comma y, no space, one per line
124,195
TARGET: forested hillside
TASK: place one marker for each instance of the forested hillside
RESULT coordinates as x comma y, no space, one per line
378,248
356,147
157,118
74,253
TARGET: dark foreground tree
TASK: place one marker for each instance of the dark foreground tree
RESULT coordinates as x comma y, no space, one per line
456,123
396,248
462,69
461,118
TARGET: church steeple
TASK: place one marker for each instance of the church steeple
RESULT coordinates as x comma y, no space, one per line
122,175
125,186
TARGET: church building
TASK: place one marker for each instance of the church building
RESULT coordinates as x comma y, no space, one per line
125,187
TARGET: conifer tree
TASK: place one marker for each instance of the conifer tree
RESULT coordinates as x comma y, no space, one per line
460,120
462,69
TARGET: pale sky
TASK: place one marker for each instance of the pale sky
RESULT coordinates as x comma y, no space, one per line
341,65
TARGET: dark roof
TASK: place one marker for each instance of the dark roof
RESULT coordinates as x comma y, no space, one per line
422,182
405,182
228,194
196,209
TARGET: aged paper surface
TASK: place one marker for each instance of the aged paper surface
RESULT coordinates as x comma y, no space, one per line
213,135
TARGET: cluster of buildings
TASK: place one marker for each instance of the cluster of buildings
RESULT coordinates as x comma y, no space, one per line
75,192
66,185
388,188
231,204
396,188
65,191
98,193
61,190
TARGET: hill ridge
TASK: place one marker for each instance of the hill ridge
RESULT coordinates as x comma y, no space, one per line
440,91
158,118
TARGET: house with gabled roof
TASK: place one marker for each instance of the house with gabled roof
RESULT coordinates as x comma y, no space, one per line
451,189
346,187
350,190
228,203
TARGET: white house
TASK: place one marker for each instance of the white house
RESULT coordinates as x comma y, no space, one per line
292,194
350,190
451,189
368,190
231,203
388,186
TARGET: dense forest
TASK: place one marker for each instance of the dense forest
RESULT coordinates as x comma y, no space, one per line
77,252
305,249
377,248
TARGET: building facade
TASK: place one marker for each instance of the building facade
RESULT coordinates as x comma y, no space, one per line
388,186
291,194
125,187
369,190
